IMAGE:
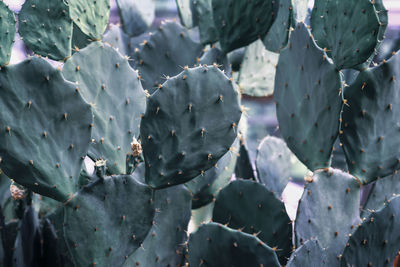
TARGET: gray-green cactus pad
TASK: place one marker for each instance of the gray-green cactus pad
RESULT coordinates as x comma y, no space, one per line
185,12
90,16
383,190
165,241
239,23
376,241
309,254
244,167
117,39
46,28
216,245
371,121
308,99
204,12
7,33
329,211
277,165
257,71
205,188
108,220
181,135
278,35
249,206
348,30
113,89
43,148
166,53
136,16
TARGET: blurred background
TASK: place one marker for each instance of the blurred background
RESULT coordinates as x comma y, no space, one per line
261,116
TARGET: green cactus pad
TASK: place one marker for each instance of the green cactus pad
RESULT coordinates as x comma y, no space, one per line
370,122
328,211
79,39
114,215
347,30
338,157
185,12
383,190
278,35
164,243
257,71
7,33
276,165
216,245
376,241
216,57
239,23
136,16
204,12
28,241
244,168
204,188
113,89
46,28
90,16
308,99
309,254
44,148
181,135
249,206
236,58
166,45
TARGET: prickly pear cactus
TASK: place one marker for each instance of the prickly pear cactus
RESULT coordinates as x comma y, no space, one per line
112,229
7,33
348,31
376,241
216,245
181,135
90,16
136,16
250,207
44,148
308,98
309,254
106,80
204,12
240,23
48,35
328,211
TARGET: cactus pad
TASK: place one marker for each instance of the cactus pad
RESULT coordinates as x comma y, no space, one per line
136,16
376,241
239,23
347,30
308,99
90,16
328,211
46,28
216,245
276,165
7,33
249,206
181,135
164,243
309,254
371,121
166,45
114,215
204,12
113,89
44,148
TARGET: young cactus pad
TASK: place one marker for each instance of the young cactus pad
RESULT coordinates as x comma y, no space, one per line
190,122
112,87
44,146
308,99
